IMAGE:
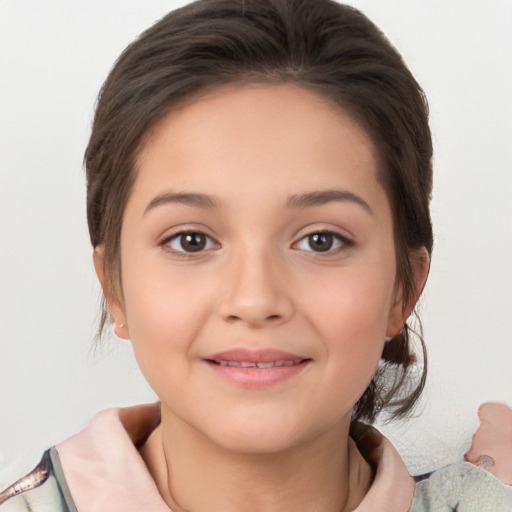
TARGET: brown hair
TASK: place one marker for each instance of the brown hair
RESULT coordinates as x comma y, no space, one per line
321,45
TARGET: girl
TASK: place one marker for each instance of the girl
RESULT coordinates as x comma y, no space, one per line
259,175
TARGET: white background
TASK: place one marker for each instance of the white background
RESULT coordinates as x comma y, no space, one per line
54,56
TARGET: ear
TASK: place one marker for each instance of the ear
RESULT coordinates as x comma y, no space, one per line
400,312
115,306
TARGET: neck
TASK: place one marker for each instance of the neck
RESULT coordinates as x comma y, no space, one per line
194,474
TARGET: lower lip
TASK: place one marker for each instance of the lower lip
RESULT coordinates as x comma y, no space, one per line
257,377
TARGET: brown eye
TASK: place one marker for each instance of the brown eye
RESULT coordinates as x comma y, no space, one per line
193,242
189,242
323,241
320,242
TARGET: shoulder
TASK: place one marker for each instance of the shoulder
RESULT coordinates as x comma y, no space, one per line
462,487
44,489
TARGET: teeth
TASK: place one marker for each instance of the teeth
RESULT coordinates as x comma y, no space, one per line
248,364
265,365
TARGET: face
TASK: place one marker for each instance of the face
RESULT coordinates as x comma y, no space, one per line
258,267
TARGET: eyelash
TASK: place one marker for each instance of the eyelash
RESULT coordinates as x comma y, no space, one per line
165,243
337,238
343,241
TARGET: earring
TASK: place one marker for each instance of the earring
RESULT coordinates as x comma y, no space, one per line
388,339
115,328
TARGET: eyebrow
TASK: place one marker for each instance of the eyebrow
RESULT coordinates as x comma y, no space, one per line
188,198
308,200
321,197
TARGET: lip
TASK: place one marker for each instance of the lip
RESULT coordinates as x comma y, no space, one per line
256,368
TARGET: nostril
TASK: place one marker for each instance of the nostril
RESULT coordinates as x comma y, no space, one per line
270,318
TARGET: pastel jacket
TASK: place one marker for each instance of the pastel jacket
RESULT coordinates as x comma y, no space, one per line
100,469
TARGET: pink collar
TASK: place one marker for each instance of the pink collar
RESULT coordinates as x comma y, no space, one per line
104,470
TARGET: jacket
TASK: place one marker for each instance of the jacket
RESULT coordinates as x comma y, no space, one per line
100,469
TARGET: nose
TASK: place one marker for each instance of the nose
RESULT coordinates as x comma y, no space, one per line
256,291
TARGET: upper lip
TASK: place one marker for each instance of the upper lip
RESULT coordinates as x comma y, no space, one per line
255,356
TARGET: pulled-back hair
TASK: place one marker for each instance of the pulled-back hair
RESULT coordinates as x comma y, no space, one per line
321,45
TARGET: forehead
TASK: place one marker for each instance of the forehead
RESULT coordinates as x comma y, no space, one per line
257,138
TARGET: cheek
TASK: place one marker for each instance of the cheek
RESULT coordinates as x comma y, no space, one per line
160,299
353,305
164,315
351,315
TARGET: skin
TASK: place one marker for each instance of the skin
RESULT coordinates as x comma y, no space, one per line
259,283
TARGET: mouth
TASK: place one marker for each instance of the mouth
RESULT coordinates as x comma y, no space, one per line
256,369
259,364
